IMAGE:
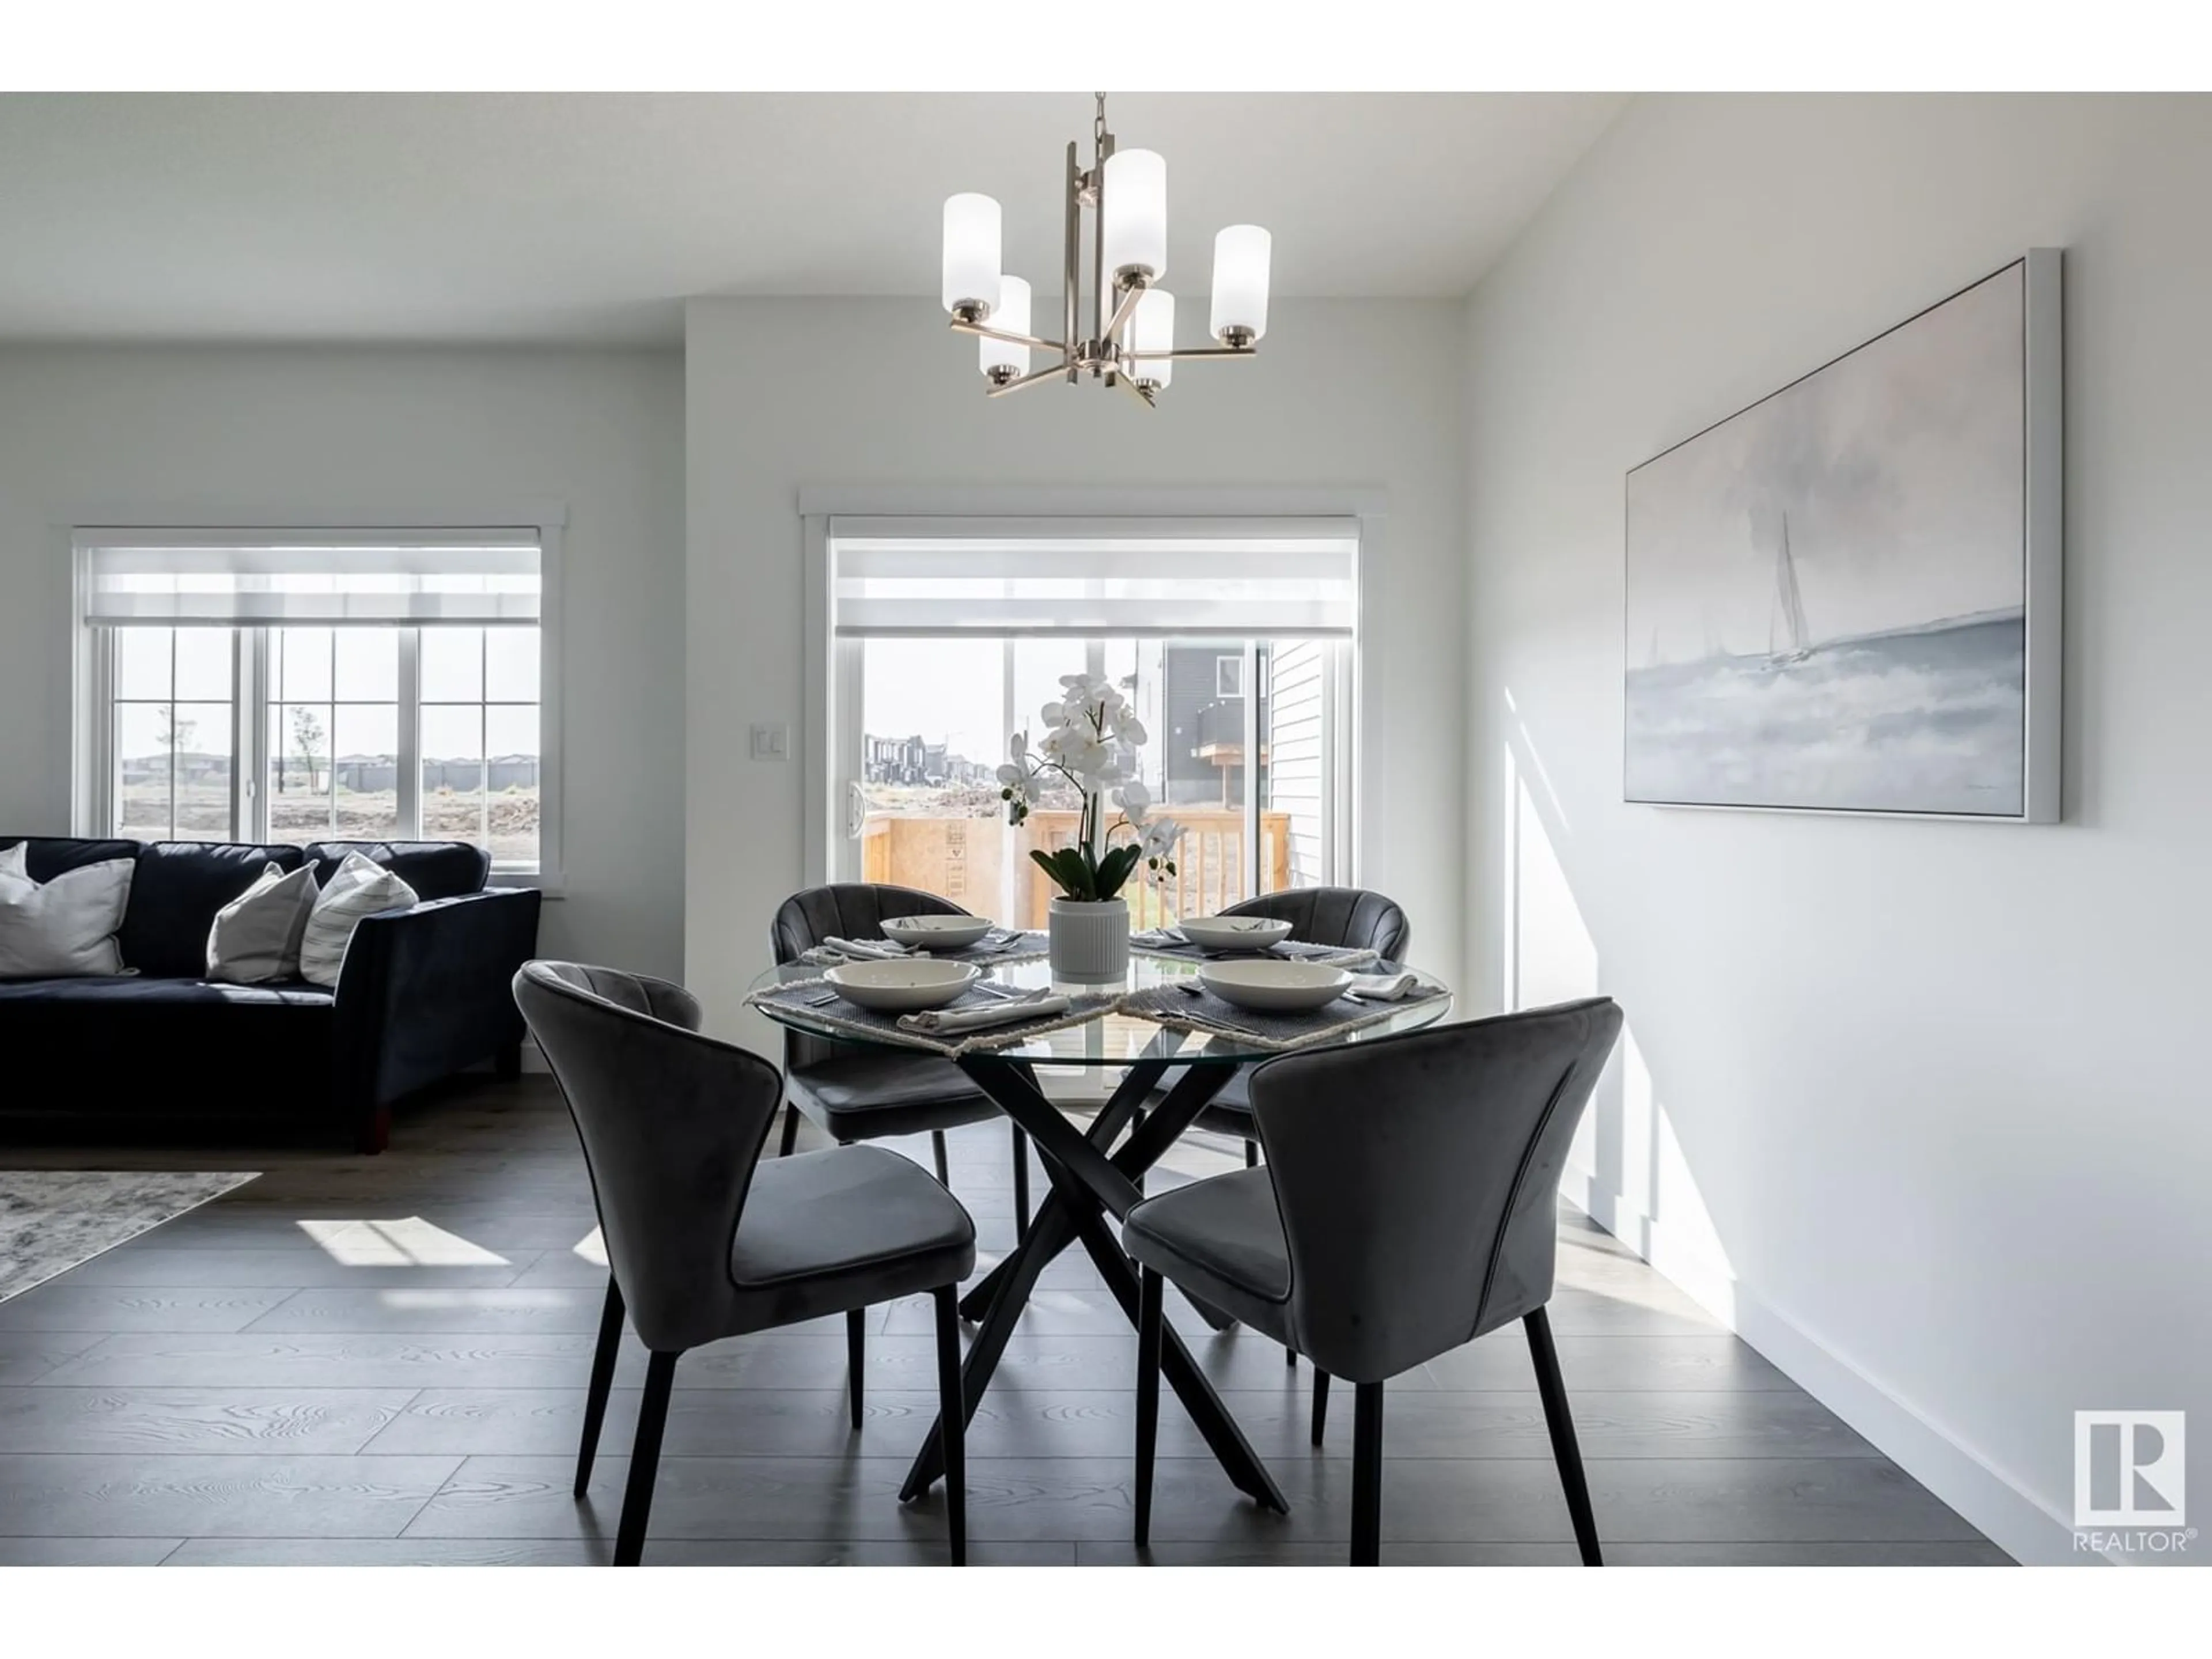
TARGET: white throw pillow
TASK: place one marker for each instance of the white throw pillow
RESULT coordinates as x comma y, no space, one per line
257,936
64,928
361,888
12,867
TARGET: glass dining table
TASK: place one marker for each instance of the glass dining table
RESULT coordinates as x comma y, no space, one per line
1168,1077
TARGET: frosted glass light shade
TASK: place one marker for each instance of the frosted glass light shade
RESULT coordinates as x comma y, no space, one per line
1013,316
1135,232
1152,328
971,251
1241,256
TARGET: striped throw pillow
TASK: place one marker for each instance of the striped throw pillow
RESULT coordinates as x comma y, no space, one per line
256,937
361,888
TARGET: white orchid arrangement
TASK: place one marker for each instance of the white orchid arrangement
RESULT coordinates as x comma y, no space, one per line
1088,731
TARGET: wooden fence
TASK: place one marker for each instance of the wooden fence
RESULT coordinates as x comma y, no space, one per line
960,858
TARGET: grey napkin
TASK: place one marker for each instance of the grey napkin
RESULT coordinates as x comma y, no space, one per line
1007,1011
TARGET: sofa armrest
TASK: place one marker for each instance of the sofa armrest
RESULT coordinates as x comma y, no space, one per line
426,991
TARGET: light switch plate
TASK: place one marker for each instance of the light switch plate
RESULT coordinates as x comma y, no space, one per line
771,743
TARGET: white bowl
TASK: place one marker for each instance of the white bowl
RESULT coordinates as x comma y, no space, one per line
942,932
1234,932
1274,985
902,988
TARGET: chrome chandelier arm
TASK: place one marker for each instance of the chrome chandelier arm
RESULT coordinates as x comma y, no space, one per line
1189,352
1142,393
1125,310
1037,377
986,331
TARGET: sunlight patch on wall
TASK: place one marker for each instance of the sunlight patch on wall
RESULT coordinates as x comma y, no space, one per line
1554,958
1627,1168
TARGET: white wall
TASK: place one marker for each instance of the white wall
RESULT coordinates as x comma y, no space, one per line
785,394
1938,1088
296,431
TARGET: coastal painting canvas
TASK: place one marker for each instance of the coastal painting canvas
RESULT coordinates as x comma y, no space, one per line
1828,593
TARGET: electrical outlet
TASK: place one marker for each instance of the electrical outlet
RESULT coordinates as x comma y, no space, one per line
771,743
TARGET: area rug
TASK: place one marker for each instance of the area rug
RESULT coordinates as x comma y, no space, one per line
50,1220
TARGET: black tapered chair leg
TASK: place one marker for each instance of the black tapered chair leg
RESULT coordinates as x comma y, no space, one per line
856,1360
1367,1475
1021,1182
1152,1308
603,1381
645,1460
790,1131
1320,1404
937,1152
1566,1451
952,1415
1251,1154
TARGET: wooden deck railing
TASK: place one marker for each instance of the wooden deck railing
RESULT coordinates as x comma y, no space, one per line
959,857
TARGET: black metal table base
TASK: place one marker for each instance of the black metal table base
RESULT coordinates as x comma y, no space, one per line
1090,1183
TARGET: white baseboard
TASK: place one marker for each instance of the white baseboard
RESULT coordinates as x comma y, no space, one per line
2014,1519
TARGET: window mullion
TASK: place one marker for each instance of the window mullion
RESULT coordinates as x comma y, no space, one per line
1012,865
330,743
241,768
483,738
256,723
106,767
409,784
173,735
1253,876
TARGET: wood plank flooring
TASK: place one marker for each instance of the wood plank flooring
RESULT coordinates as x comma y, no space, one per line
381,1361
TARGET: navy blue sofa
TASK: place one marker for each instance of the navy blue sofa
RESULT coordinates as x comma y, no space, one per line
424,993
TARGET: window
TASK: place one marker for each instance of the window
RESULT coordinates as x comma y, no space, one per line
171,728
951,634
332,695
298,686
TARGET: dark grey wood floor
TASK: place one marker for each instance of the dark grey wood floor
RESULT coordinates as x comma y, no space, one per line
382,1360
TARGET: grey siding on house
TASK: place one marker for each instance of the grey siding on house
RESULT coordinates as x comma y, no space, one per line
1297,755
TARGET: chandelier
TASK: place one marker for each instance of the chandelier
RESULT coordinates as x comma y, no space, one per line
1130,342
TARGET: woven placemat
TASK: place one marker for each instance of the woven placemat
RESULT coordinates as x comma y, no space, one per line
1200,1010
1174,949
841,1017
993,949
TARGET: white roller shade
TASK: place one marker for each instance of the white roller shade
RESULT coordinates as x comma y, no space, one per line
398,577
1093,577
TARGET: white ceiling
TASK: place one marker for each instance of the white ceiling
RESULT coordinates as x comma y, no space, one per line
591,217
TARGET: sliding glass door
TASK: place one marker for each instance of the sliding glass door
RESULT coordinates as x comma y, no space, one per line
1247,730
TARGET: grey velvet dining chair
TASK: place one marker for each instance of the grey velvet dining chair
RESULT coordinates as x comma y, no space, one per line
1347,919
1407,1206
870,1094
705,1240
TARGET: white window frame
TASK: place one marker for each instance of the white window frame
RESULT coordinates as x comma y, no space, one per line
93,683
1225,662
833,666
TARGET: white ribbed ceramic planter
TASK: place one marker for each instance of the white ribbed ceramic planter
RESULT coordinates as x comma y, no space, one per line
1090,940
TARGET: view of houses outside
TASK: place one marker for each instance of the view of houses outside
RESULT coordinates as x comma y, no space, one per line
358,794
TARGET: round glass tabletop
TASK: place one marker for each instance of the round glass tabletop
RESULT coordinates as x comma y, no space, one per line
1111,1039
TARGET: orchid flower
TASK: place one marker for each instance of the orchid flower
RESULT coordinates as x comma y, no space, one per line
1089,736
